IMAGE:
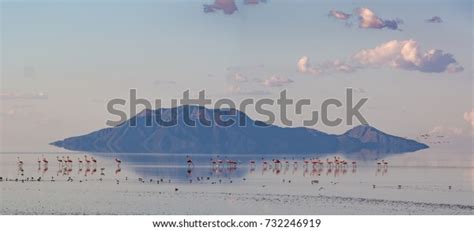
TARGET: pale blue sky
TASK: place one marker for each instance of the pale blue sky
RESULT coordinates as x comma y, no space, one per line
82,53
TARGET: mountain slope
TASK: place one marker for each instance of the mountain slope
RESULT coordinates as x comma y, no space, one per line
250,139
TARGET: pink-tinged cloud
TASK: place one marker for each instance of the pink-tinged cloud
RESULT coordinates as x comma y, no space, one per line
368,19
446,131
227,6
276,81
339,15
240,78
469,117
338,66
304,66
434,19
407,55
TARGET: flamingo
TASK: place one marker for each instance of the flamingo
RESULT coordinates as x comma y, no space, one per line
19,163
45,161
214,163
189,161
118,161
80,162
60,162
306,163
354,164
88,162
329,163
252,163
379,163
94,161
277,163
69,162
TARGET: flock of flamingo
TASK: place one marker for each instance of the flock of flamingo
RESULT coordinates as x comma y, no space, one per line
65,165
89,163
337,162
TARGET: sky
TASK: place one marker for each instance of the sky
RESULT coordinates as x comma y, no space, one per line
62,61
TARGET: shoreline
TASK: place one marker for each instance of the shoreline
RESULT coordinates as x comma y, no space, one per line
195,200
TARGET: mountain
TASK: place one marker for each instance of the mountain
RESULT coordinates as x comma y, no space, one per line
141,134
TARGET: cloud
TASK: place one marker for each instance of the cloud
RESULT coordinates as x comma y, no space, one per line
234,89
469,117
407,55
339,15
23,96
304,66
254,2
397,54
368,19
240,78
276,81
434,19
227,6
338,66
164,82
237,90
445,131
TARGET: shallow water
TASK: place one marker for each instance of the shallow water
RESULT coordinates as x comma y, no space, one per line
147,184
418,177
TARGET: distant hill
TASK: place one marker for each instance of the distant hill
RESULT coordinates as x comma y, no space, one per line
235,139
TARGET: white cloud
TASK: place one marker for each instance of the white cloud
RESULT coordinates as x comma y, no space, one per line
406,54
469,117
276,81
305,67
339,15
240,78
368,19
234,89
339,66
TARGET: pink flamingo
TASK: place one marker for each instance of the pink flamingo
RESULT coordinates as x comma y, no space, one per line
88,162
329,163
306,163
60,162
45,161
189,161
94,161
80,162
69,162
277,163
379,164
118,161
19,163
252,163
